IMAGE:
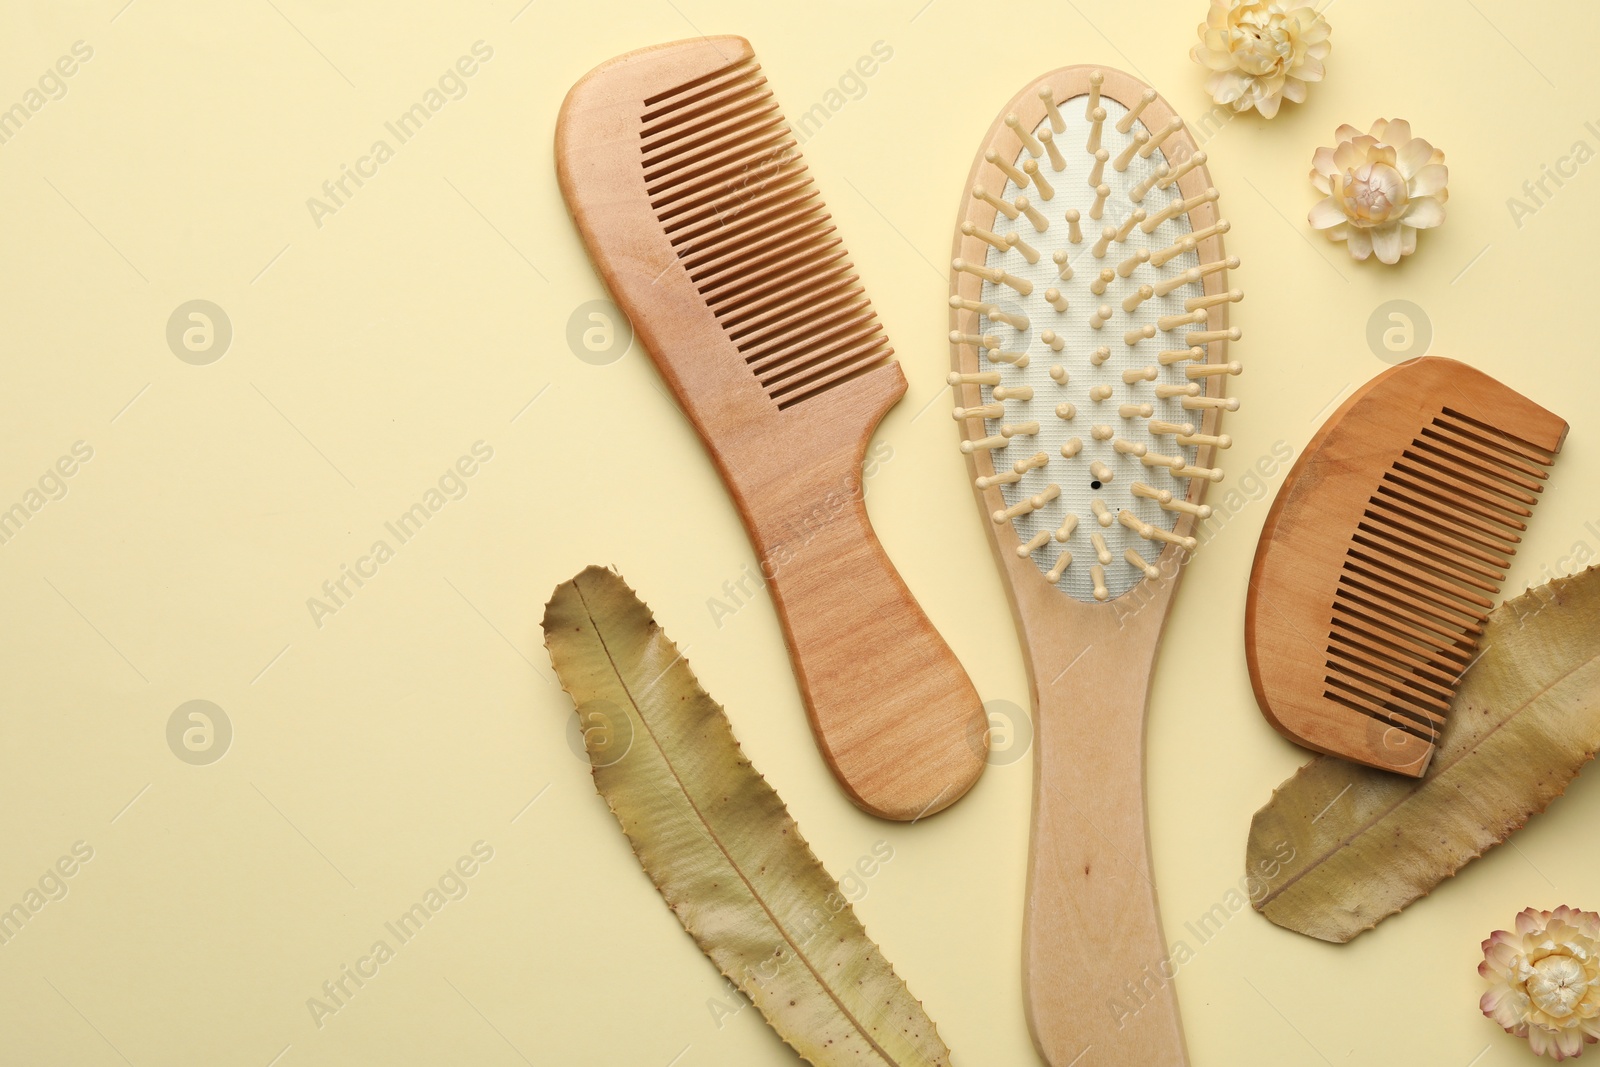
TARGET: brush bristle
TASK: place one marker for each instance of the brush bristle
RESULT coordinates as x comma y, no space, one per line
727,183
1101,317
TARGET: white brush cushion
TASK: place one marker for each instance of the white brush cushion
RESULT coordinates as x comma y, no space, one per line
1073,475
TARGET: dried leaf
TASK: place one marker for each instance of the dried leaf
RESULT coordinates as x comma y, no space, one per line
1362,844
719,843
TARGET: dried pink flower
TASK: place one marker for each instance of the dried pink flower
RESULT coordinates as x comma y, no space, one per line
1544,980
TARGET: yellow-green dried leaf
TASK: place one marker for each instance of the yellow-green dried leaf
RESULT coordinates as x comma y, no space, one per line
719,843
1366,843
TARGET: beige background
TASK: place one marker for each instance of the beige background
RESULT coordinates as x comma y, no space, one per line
426,315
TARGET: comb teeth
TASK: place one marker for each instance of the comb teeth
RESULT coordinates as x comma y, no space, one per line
733,196
1423,568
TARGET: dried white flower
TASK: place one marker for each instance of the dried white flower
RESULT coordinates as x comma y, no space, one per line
1381,188
1261,52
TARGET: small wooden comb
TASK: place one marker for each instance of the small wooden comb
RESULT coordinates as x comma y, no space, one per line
1382,554
686,183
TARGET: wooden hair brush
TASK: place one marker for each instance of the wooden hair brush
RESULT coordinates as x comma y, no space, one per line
688,188
1089,315
1382,554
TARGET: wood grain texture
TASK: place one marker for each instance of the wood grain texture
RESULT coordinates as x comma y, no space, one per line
686,185
1092,929
1382,555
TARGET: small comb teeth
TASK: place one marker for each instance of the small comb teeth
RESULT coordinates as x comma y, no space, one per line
733,196
675,170
669,100
1423,568
706,119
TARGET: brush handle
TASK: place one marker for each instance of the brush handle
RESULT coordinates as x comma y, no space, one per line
1097,973
897,719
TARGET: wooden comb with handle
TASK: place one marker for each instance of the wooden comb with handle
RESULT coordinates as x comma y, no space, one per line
1382,555
686,183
